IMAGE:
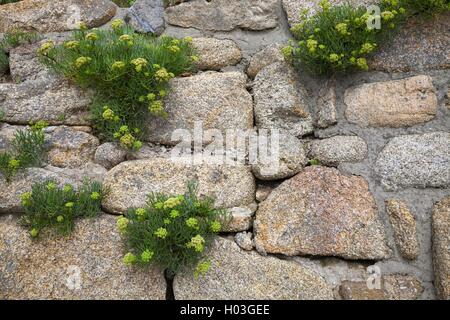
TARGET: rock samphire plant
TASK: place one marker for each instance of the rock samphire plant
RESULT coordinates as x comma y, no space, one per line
48,206
28,150
338,38
172,232
129,72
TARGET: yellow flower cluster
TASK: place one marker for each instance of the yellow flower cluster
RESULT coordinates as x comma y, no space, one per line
122,224
141,213
72,44
46,46
147,255
118,66
197,243
117,24
161,233
25,199
127,140
216,226
14,164
127,39
91,36
162,75
342,29
139,63
173,202
192,223
108,114
202,268
129,259
81,61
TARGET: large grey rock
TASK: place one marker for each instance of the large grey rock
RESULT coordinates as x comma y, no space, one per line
85,265
418,161
281,101
215,54
393,287
244,240
396,103
293,8
55,16
239,275
69,147
335,150
130,182
289,160
147,16
441,245
217,100
264,58
240,218
109,155
224,15
40,94
405,231
421,44
317,213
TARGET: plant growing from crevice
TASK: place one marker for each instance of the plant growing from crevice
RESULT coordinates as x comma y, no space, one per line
27,150
130,73
338,39
49,206
124,3
172,232
11,40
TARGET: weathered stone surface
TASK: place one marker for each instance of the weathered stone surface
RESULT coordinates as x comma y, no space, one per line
218,100
244,240
241,218
224,15
264,58
421,44
396,103
293,8
441,245
393,287
418,160
326,114
131,182
239,275
147,16
317,213
280,100
7,133
41,95
338,149
404,225
289,159
10,193
109,155
55,16
262,192
48,268
69,147
216,54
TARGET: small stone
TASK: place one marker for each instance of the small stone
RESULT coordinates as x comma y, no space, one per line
338,149
262,192
395,103
239,275
269,55
316,213
288,159
404,225
85,265
224,15
70,148
130,182
241,219
244,240
147,16
441,245
393,287
55,16
216,100
281,101
216,54
326,114
418,161
110,155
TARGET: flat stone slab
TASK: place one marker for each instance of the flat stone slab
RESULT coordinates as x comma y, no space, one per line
216,100
396,103
415,161
131,182
54,16
239,275
224,15
324,213
215,54
421,44
335,150
86,265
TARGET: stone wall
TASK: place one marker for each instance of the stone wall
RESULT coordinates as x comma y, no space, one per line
377,201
